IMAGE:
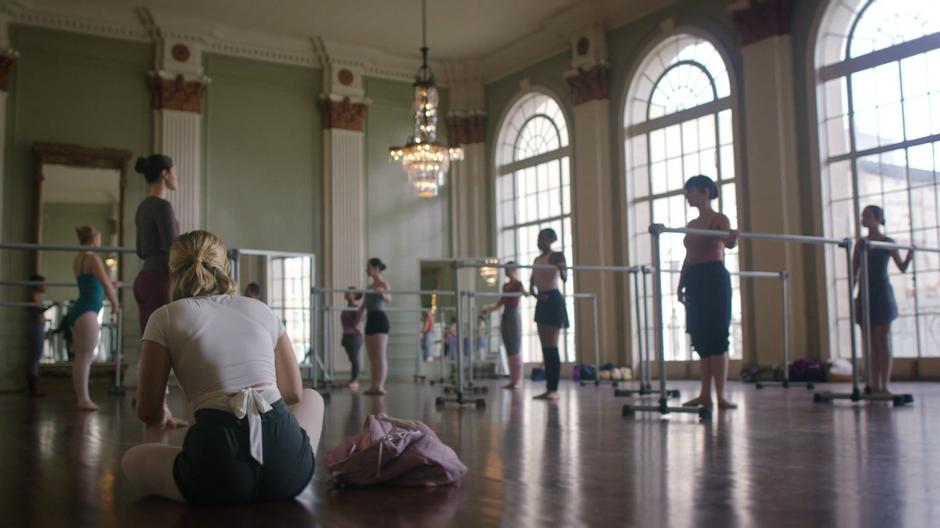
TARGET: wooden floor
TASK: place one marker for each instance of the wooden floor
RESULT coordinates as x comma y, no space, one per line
778,460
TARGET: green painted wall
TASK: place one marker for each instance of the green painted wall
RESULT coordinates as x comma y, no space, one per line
402,228
263,161
75,89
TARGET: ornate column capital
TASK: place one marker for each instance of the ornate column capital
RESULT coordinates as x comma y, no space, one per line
466,128
344,113
7,61
761,19
590,84
177,93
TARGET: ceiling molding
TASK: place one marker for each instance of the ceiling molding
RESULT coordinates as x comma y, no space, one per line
552,37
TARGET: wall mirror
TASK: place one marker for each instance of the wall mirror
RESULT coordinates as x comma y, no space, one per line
77,186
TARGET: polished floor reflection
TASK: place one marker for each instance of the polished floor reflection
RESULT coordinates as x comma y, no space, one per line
778,460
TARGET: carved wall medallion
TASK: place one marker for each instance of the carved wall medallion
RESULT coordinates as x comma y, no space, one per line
6,68
584,44
346,77
762,20
177,94
180,53
466,129
590,85
345,114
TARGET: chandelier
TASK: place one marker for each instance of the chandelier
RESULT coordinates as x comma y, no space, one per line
424,159
489,271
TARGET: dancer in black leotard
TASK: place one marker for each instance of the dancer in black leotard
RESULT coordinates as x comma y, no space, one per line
884,308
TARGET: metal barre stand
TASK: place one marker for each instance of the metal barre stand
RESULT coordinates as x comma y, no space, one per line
459,396
117,389
643,340
856,395
785,306
329,340
583,296
327,375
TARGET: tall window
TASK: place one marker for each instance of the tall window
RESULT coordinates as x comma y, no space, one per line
289,283
532,193
678,123
879,125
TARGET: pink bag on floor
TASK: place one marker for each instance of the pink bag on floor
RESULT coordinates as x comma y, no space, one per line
393,451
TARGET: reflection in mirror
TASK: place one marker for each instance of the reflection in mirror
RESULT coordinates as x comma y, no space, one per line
76,186
282,282
481,330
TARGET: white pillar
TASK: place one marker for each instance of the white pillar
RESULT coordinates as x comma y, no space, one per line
593,218
344,191
178,134
470,191
772,187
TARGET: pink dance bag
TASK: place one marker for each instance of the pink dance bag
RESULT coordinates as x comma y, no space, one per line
393,451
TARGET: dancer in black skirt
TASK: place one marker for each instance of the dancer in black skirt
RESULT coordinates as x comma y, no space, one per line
705,290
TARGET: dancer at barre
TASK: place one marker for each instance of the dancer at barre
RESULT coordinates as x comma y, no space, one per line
93,286
550,312
510,324
377,326
257,428
352,337
882,304
705,290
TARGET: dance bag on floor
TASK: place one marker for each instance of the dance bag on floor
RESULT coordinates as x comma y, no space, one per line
393,451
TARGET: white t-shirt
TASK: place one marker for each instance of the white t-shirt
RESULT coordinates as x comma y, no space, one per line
218,344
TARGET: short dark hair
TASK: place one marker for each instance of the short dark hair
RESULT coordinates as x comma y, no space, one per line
549,232
703,183
253,288
35,277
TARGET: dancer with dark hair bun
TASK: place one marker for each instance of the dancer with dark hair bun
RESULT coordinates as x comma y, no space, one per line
550,312
881,301
705,290
377,326
157,227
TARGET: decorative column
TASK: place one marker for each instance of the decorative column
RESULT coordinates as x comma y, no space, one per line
771,187
178,88
594,221
7,62
344,193
469,187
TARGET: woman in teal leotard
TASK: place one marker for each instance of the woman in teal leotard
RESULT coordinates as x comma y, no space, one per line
93,285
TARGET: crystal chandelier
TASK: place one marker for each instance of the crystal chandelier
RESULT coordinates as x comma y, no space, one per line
424,159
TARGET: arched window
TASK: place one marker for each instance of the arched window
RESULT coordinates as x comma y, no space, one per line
533,192
878,93
678,123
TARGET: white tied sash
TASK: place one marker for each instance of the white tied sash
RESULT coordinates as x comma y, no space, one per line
251,402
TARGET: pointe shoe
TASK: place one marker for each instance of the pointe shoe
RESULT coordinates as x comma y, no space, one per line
375,392
725,404
511,386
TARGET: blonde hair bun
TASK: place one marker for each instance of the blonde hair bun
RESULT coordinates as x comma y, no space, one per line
199,266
